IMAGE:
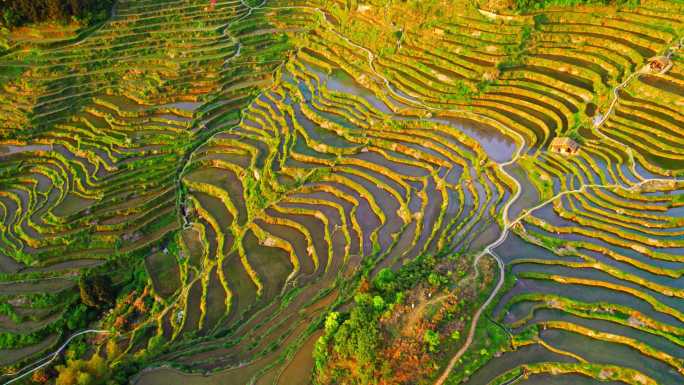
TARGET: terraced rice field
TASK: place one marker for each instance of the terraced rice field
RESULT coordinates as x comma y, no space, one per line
251,157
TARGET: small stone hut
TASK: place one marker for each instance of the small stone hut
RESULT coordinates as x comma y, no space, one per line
564,146
659,64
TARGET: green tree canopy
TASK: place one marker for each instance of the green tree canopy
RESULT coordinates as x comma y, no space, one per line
97,291
14,13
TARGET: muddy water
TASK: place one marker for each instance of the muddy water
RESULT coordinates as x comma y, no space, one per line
597,275
675,263
341,82
401,168
7,264
299,369
655,341
298,241
525,355
591,294
598,351
499,147
677,283
529,196
11,149
389,206
243,291
319,134
185,106
517,311
272,265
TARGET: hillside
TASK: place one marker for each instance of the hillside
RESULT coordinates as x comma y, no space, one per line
345,192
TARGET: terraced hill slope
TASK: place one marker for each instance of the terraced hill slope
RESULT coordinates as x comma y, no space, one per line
239,170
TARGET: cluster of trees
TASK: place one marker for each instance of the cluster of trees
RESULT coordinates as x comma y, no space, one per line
97,290
82,372
574,130
360,347
355,339
14,13
93,371
98,293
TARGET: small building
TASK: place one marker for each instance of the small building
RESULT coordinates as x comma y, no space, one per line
564,146
659,64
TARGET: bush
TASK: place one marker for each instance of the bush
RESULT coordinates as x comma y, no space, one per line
350,350
19,12
431,338
77,318
7,310
80,372
96,291
385,280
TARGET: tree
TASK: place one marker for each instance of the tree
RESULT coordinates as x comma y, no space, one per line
113,350
432,339
384,280
28,11
84,379
55,10
358,338
332,322
96,291
82,372
9,17
77,318
40,376
437,280
378,303
14,13
68,375
76,7
97,366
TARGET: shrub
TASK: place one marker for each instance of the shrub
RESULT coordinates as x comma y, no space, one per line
81,372
431,338
96,291
19,12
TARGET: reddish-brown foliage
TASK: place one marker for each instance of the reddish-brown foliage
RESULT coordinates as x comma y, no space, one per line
40,376
408,361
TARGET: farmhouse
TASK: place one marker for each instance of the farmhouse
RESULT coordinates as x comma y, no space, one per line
659,64
564,145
